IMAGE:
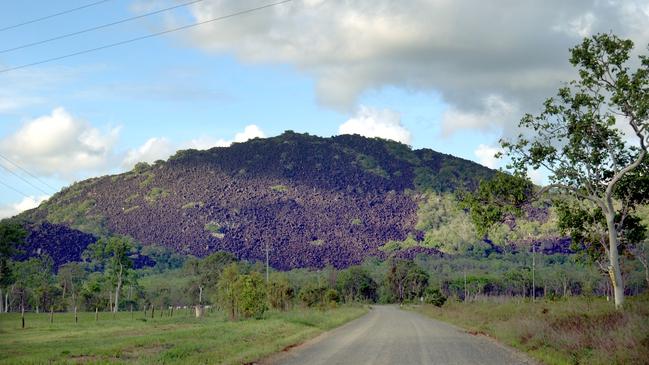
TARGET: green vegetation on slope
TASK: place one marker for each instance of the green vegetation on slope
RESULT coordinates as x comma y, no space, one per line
577,330
181,339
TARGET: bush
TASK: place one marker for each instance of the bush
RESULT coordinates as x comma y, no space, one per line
434,296
227,290
331,296
356,284
312,294
141,167
280,292
251,295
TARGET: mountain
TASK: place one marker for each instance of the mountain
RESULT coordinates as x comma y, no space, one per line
312,201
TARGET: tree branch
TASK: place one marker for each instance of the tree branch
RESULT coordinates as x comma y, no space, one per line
599,202
619,175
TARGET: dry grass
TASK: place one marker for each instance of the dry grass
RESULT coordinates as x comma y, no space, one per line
571,331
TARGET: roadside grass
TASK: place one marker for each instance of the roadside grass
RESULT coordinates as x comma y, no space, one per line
181,339
574,330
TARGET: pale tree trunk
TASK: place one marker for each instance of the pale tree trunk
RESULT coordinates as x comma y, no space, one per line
614,271
117,290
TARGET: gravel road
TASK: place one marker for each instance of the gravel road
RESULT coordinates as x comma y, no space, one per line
389,335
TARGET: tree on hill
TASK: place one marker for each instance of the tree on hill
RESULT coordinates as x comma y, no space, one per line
598,175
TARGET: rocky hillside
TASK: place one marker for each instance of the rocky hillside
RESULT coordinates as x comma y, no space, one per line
313,201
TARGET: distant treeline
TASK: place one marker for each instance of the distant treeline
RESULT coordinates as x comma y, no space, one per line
106,279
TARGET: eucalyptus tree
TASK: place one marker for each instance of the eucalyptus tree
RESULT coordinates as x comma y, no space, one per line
113,256
592,137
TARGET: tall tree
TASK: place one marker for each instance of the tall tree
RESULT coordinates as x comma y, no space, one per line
11,235
119,264
227,290
406,280
578,138
35,282
70,278
113,255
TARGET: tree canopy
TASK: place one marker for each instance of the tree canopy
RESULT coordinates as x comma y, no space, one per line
592,137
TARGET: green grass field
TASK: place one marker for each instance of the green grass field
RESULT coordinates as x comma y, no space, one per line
575,330
182,339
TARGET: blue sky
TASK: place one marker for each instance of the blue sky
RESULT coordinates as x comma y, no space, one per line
451,76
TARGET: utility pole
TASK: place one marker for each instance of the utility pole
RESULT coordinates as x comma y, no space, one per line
466,293
533,272
267,259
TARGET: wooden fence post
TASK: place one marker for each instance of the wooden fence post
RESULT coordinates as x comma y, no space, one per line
76,317
22,316
51,314
96,314
152,310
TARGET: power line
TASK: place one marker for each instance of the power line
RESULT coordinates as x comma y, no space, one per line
52,15
98,27
16,190
144,37
27,172
25,180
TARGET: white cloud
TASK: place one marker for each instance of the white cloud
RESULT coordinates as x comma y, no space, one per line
519,53
153,149
370,122
60,144
205,142
494,112
249,132
31,202
486,155
160,148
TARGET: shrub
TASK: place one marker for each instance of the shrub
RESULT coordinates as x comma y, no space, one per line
434,296
215,229
251,295
156,194
356,283
280,293
141,167
331,296
227,290
279,188
312,294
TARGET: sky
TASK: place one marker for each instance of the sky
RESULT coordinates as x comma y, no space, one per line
451,75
